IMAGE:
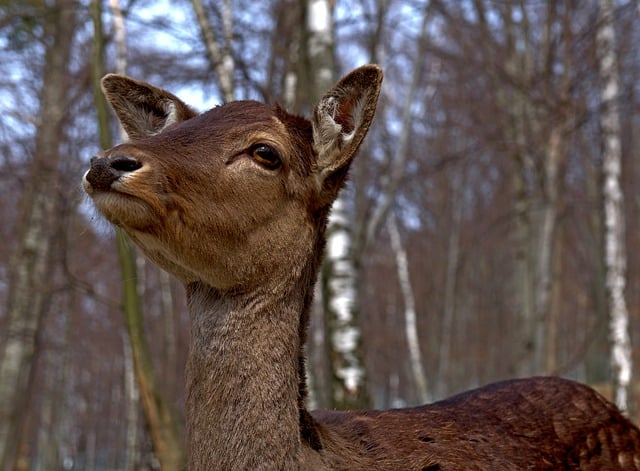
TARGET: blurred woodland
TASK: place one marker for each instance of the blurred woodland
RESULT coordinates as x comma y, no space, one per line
488,229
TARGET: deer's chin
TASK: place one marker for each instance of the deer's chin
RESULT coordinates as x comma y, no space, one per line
126,211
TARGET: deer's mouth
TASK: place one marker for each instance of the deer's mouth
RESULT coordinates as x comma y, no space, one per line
119,189
124,210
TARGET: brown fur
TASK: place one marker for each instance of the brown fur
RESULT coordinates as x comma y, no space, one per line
247,240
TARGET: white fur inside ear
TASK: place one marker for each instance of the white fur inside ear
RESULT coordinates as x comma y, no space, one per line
172,114
171,117
328,135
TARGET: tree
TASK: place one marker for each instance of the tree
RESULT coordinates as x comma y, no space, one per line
487,147
411,327
132,392
220,57
161,419
526,62
339,275
613,206
30,267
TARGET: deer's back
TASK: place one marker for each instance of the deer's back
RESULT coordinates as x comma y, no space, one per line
538,424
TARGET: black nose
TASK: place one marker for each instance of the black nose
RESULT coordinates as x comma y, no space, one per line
106,170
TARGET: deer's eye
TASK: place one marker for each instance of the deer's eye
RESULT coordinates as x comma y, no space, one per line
266,156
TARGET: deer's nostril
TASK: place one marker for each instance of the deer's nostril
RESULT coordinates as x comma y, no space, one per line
124,164
106,170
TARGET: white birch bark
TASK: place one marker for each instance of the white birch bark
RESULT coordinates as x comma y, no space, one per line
320,28
120,39
410,317
132,407
341,297
221,57
290,84
615,252
339,274
26,304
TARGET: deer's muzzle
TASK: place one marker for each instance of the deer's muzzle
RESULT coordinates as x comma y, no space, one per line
106,170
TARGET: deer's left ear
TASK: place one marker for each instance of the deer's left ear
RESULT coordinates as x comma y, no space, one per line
340,120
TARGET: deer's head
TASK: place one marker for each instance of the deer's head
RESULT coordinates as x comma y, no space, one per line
225,196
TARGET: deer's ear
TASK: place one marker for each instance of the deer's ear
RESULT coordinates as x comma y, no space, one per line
143,110
340,120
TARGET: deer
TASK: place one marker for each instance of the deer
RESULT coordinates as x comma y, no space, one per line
234,203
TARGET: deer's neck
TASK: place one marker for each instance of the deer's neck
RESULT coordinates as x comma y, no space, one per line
243,379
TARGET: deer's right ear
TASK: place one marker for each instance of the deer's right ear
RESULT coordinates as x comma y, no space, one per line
143,110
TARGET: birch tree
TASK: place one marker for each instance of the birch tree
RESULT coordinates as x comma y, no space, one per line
339,293
219,49
410,315
383,210
30,266
614,226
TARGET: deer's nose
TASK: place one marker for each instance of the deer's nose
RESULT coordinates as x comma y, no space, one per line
105,170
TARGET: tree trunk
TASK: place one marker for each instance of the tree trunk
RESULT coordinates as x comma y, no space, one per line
340,304
513,110
552,172
614,237
537,184
161,419
552,334
339,273
170,358
47,437
451,280
597,361
410,317
30,265
524,271
131,392
221,57
390,184
132,404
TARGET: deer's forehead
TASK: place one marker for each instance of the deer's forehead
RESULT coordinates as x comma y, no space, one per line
237,118
239,124
230,128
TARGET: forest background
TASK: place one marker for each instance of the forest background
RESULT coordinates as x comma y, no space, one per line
488,230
